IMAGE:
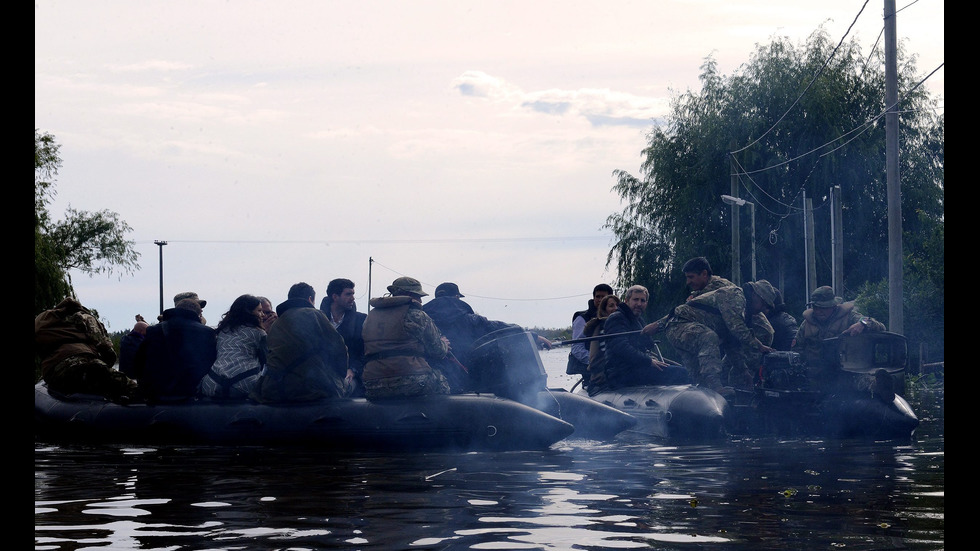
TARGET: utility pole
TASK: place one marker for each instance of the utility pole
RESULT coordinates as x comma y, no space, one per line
896,317
837,239
370,267
809,246
736,241
736,202
161,244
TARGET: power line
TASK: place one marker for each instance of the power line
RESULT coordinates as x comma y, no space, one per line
441,240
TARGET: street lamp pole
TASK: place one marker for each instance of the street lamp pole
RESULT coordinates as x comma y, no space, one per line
737,202
161,244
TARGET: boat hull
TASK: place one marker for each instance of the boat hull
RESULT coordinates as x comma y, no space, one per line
507,363
592,420
807,413
457,422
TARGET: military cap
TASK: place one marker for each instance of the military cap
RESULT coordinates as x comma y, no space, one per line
764,290
448,290
823,297
193,296
407,285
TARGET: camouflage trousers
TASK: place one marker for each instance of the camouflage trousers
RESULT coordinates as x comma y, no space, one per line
700,351
86,375
417,384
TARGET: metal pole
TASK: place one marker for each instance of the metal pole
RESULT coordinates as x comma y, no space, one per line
736,248
370,265
752,214
809,246
837,239
161,244
896,317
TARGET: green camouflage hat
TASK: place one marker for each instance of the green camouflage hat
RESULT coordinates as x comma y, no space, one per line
407,285
823,297
764,290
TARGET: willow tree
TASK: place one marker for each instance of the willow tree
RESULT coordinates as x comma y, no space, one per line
90,242
794,120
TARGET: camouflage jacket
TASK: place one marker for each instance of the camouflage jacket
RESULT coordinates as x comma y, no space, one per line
721,310
398,338
70,329
716,282
812,331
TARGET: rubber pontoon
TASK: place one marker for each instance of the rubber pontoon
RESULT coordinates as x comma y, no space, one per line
676,412
507,363
860,394
456,422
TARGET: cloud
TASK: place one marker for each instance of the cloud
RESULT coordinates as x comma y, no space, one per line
600,107
156,65
482,85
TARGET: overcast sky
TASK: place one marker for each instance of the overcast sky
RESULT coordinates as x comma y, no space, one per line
276,142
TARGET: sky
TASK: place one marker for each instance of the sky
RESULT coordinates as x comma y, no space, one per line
269,143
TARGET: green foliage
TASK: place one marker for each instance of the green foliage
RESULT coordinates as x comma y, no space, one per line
92,243
794,120
923,293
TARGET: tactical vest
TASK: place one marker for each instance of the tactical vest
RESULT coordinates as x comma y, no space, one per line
389,349
838,322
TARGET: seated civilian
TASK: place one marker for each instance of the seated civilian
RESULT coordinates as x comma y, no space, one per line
129,344
176,354
241,351
307,357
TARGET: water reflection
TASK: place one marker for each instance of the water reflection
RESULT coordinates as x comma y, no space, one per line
626,494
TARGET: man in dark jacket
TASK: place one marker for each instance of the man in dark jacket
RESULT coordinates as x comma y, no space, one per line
628,360
175,354
784,325
307,358
341,309
463,327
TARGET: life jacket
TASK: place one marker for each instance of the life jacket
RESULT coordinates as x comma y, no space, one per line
833,326
389,348
67,330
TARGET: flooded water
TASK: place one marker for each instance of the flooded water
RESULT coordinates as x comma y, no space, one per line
629,493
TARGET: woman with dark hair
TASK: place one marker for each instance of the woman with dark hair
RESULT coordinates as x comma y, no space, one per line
241,351
593,328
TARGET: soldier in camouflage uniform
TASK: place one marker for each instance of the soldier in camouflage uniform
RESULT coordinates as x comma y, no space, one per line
697,272
398,338
744,364
77,355
828,316
705,326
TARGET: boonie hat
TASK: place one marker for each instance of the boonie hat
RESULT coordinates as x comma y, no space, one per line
407,285
193,296
764,290
823,297
448,290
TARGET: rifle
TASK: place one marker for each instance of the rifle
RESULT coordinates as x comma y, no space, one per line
595,338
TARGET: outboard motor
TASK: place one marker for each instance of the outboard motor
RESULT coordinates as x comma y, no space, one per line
506,363
784,371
